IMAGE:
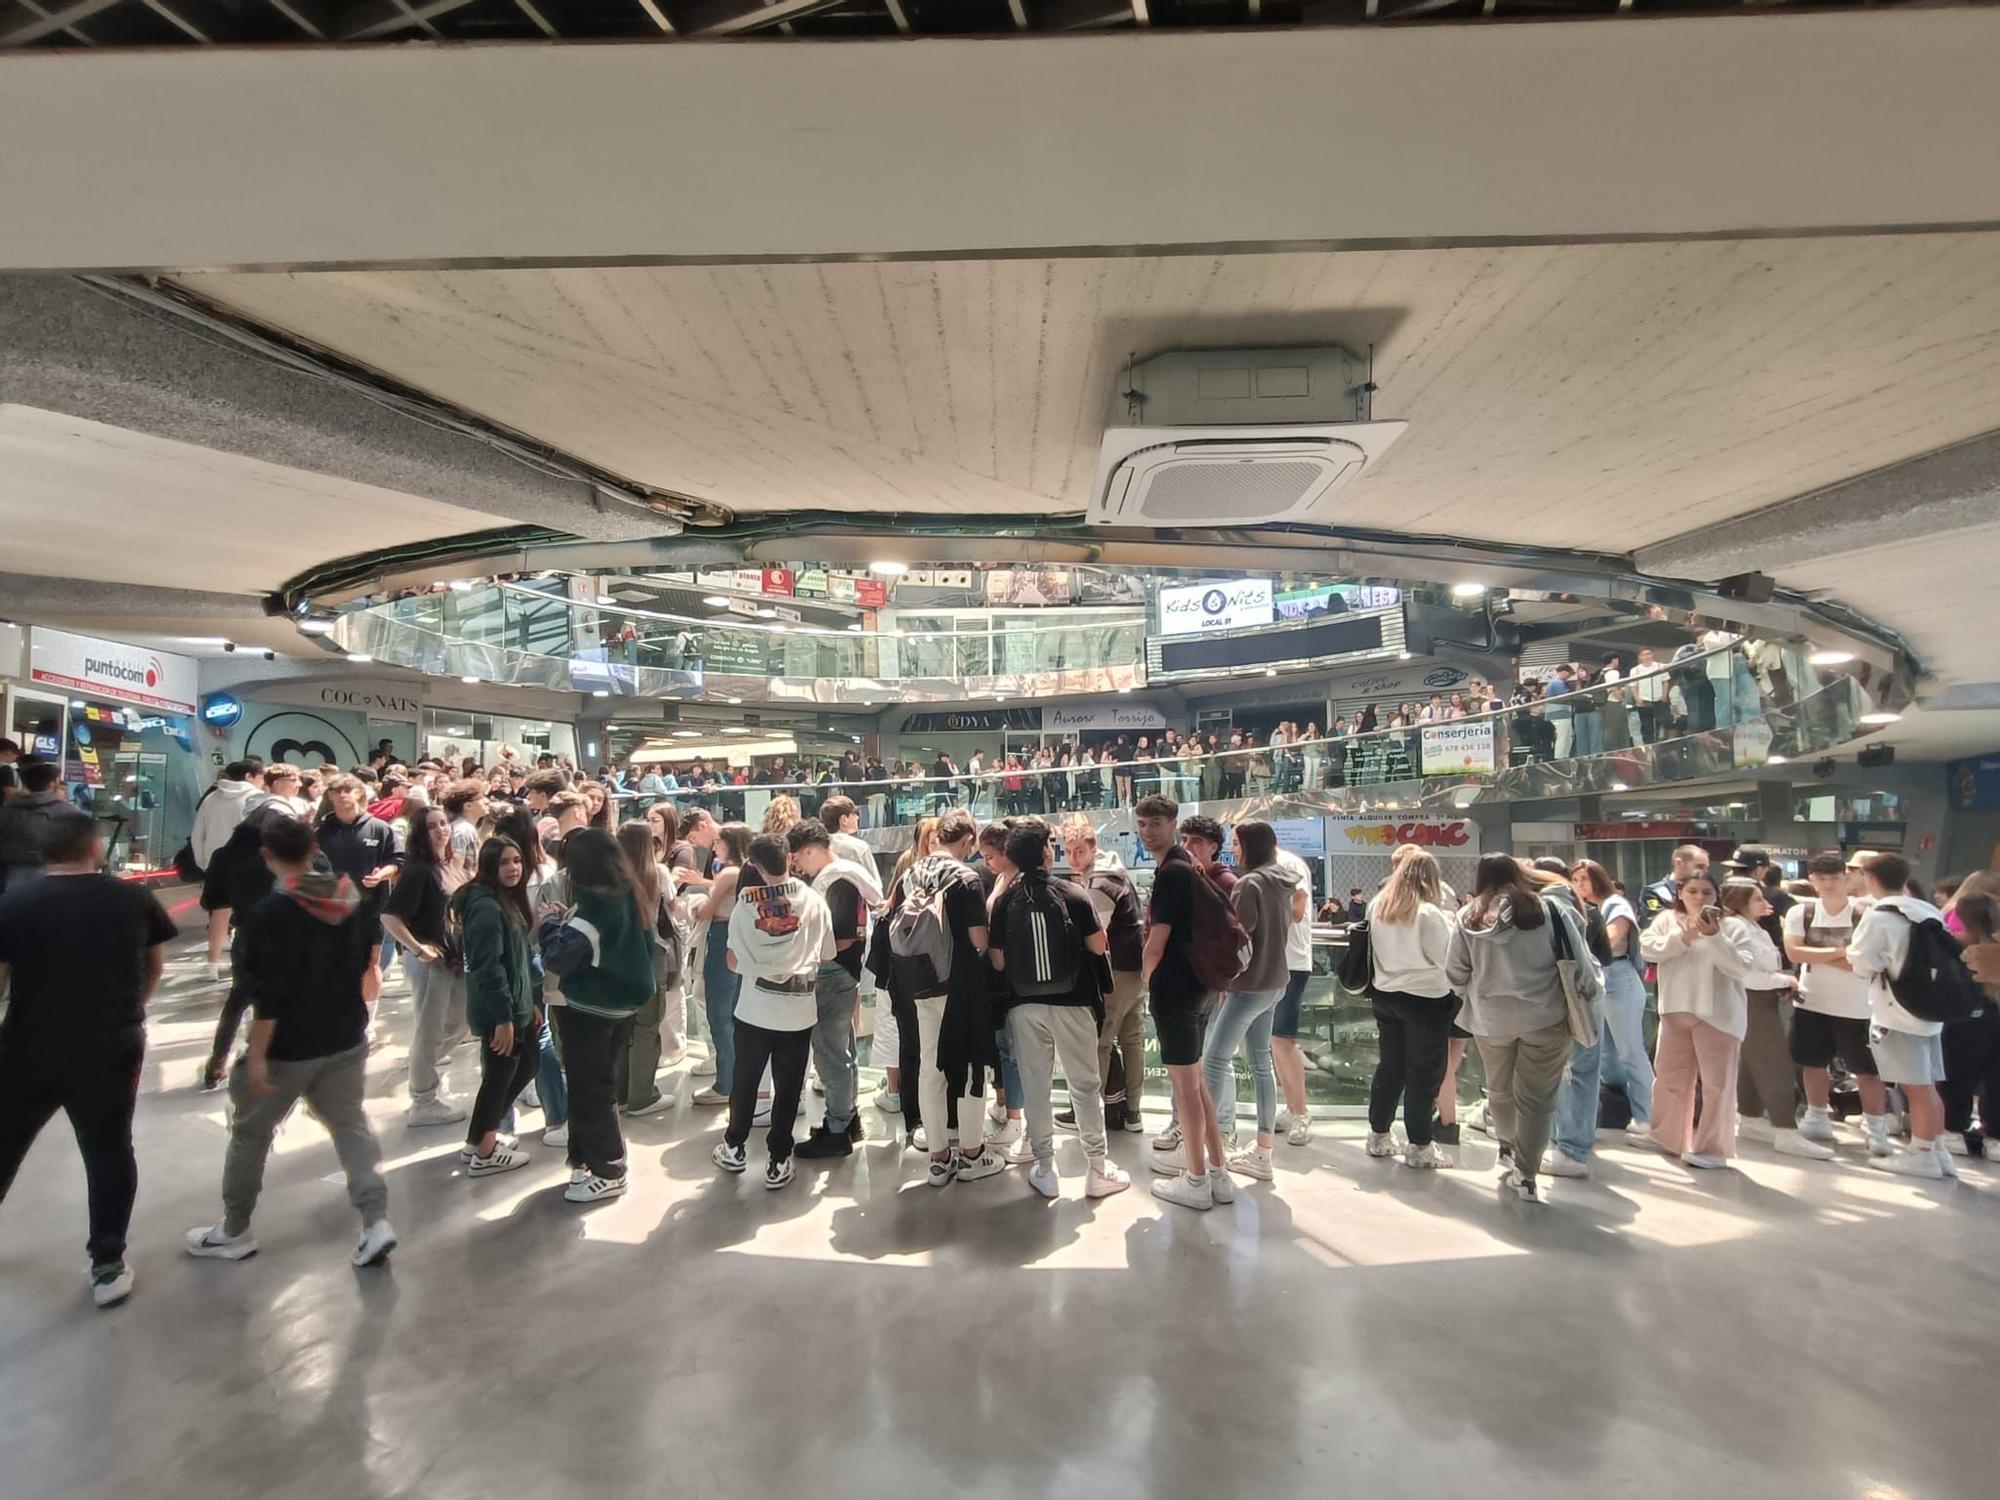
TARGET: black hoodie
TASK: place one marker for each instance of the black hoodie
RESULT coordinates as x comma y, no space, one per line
306,947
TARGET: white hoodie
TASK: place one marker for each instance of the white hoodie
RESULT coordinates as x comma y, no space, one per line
780,933
862,877
1879,949
229,804
1706,977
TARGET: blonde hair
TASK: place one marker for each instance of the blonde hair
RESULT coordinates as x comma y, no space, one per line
1413,880
1076,826
781,814
919,846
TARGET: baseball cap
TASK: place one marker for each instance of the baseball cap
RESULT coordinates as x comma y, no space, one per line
1748,857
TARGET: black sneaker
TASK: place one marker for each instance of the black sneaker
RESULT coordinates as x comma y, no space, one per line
1443,1134
1067,1121
823,1143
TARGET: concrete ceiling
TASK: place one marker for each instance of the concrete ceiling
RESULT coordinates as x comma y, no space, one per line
1583,395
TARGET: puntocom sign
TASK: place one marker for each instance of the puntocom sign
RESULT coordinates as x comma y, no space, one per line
131,674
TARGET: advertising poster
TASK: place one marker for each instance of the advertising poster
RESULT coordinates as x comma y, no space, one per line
778,581
1458,748
810,583
1192,609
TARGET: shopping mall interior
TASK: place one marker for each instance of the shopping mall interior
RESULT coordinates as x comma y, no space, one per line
1567,430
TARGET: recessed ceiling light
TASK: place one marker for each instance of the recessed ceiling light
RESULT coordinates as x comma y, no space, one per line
78,703
1878,717
359,656
1468,590
735,700
1776,760
715,601
1830,658
1619,786
468,681
316,627
738,729
687,734
889,569
600,692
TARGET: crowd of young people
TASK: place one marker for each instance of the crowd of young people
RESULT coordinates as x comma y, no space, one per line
568,948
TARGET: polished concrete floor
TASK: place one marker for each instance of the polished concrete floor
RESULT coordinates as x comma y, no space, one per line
1355,1328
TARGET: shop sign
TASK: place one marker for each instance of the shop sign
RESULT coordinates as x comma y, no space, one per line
871,593
1612,832
1363,832
1305,837
1107,717
842,587
377,703
1418,681
1458,747
748,580
1016,586
974,721
778,581
1198,607
810,583
131,674
787,613
220,710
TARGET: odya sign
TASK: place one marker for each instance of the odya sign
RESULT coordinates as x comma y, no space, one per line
1196,607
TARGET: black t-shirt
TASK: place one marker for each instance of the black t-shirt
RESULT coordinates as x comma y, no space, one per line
850,920
305,975
1172,902
419,900
1083,914
76,946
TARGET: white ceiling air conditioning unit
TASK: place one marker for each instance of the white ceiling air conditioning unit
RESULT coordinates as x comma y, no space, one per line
1238,437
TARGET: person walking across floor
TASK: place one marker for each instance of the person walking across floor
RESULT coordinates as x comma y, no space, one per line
1503,961
310,946
81,953
1409,941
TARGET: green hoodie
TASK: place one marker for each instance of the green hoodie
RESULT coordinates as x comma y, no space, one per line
621,979
499,972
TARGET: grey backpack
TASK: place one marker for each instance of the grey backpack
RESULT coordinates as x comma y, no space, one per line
920,942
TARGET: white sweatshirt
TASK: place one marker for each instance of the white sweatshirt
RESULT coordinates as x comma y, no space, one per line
780,934
1704,977
1879,949
1409,956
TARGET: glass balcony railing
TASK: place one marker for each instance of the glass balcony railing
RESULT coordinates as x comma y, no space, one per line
512,634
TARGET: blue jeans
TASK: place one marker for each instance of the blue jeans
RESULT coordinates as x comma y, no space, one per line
1586,733
549,1080
833,1043
1010,1075
1575,1129
1723,690
720,984
1625,1064
1243,1015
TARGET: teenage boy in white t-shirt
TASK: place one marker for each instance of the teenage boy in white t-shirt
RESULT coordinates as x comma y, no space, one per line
1831,1016
1908,1049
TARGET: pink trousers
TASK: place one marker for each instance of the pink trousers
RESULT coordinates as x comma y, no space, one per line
1689,1048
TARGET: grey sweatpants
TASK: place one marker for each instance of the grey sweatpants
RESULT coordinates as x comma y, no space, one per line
1523,1076
1041,1034
333,1090
437,994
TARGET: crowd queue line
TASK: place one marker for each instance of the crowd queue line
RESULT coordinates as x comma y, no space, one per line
569,949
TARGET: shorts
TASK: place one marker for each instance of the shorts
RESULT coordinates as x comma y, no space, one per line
214,896
1817,1039
1458,1032
1179,1025
1906,1058
1285,1019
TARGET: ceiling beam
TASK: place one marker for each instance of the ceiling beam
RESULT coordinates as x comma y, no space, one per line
657,16
900,16
737,17
381,17
35,27
75,33
313,17
175,19
32,597
542,22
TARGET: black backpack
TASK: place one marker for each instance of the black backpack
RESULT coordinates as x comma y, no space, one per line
1357,965
1044,949
1935,984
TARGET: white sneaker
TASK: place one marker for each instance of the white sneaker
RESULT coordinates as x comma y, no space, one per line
594,1189
1006,1133
1923,1164
888,1101
813,1083
110,1285
530,1099
1382,1143
658,1106
503,1159
1106,1177
779,1174
438,1111
1480,1119
1184,1190
672,1059
556,1135
1944,1158
1798,1143
703,1069
985,1164
1042,1178
709,1097
1639,1133
729,1158
1168,1139
1755,1130
1256,1162
1019,1154
1706,1161
373,1247
1556,1164
1168,1163
1817,1126
1430,1155
1221,1186
1875,1130
920,1139
212,1244
468,1156
213,972
997,1112
1528,1191
1300,1130
943,1170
